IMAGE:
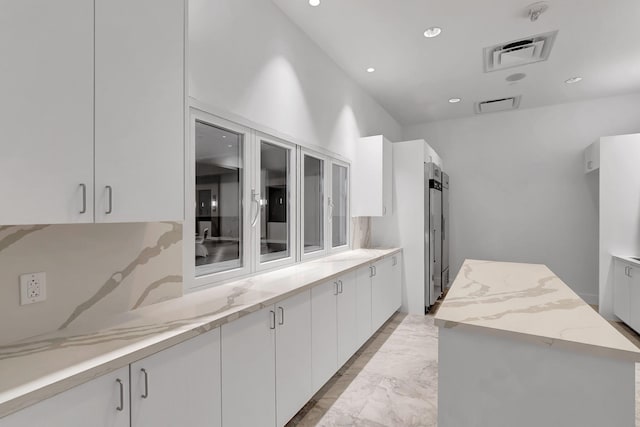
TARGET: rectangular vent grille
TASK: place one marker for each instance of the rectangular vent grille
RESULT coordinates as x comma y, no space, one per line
496,105
518,52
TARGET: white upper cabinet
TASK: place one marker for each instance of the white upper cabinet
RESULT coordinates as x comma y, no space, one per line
592,157
372,183
46,111
91,89
139,102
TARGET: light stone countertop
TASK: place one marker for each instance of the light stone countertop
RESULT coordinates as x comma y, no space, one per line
528,301
628,259
34,369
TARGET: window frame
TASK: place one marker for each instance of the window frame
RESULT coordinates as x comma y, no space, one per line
292,198
191,281
325,221
335,249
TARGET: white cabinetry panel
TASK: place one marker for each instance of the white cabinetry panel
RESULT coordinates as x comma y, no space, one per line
372,183
324,333
139,110
347,302
46,111
178,386
102,402
293,355
248,370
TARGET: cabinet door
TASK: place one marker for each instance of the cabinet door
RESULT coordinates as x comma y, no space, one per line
633,281
248,370
372,183
621,291
347,318
396,281
293,355
363,306
102,402
382,303
139,110
178,386
324,339
46,111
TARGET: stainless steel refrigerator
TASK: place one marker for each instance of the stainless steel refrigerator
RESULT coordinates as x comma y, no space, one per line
433,234
445,231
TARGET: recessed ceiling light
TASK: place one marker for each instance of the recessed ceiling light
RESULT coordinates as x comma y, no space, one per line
314,3
370,70
229,145
432,32
573,80
455,100
224,136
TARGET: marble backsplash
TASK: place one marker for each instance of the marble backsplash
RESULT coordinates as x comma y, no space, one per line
361,232
93,271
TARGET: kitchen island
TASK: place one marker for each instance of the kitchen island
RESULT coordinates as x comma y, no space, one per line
517,347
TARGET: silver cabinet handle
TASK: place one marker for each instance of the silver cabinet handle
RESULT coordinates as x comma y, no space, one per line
590,164
395,261
370,271
273,319
335,292
341,284
121,406
146,384
84,198
255,198
110,204
384,210
281,322
375,271
630,270
626,271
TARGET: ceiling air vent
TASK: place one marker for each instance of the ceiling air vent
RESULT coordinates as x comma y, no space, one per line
518,52
495,105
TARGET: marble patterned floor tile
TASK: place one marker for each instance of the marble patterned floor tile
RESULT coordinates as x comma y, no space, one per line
392,381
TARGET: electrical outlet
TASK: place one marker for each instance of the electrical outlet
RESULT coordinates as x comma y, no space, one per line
33,288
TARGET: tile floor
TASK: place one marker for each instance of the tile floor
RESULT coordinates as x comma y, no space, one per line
392,380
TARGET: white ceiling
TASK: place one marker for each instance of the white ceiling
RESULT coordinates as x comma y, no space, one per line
415,76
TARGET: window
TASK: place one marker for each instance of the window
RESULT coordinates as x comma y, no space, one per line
275,225
218,194
256,202
339,204
313,204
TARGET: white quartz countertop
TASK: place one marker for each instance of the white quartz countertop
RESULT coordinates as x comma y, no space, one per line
528,301
35,369
628,259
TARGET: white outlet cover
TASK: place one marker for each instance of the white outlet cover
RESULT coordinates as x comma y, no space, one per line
33,288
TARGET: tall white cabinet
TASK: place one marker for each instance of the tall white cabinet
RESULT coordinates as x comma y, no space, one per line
46,111
91,89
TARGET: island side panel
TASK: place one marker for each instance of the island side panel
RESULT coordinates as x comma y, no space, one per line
488,380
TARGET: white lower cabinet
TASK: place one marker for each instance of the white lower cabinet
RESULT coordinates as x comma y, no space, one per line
293,356
363,305
266,364
382,292
178,386
324,333
347,305
396,282
626,293
248,370
102,402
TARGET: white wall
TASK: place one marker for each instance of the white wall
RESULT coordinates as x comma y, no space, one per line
619,208
518,191
248,59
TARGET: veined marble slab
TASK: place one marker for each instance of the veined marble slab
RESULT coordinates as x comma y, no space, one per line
528,301
37,368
